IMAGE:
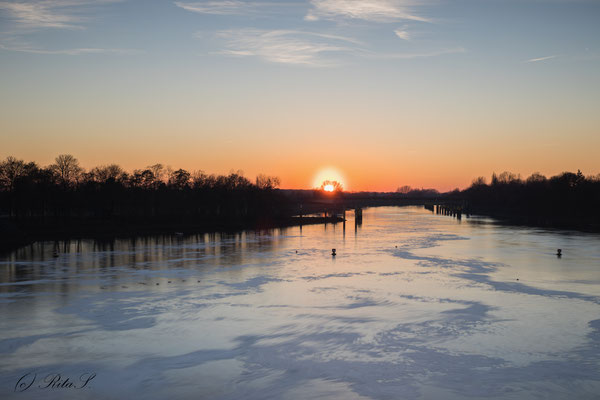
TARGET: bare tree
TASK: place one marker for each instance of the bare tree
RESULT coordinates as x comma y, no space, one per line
158,170
335,185
267,182
11,169
404,189
479,181
107,173
236,180
536,177
179,179
198,179
143,178
509,177
67,169
505,177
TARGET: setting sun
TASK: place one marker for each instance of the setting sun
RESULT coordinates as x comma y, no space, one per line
326,176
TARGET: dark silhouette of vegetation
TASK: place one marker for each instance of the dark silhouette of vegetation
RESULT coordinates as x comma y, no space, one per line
407,191
64,200
63,196
565,200
267,182
332,186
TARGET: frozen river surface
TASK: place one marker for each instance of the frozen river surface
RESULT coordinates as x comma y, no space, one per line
414,306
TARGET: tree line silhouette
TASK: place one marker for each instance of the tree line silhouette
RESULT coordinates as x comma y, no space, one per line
64,192
417,193
65,197
565,200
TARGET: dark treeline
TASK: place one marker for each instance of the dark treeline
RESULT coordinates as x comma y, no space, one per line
568,200
64,194
408,191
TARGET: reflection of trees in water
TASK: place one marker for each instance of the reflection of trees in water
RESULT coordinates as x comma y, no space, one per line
60,265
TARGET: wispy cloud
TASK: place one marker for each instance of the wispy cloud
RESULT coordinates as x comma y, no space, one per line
233,7
31,16
402,33
370,10
286,46
307,48
217,7
36,14
532,60
70,52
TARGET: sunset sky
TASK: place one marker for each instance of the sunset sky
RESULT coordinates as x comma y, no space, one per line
387,93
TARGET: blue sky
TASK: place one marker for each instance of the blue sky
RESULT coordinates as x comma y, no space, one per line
311,33
161,77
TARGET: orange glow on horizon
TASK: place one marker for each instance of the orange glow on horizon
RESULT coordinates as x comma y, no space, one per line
329,174
440,167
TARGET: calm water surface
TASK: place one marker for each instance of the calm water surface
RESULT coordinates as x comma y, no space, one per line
414,306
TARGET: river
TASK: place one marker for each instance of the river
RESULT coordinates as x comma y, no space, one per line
413,306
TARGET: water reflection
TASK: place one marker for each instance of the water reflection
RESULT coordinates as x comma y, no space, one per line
41,261
416,306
